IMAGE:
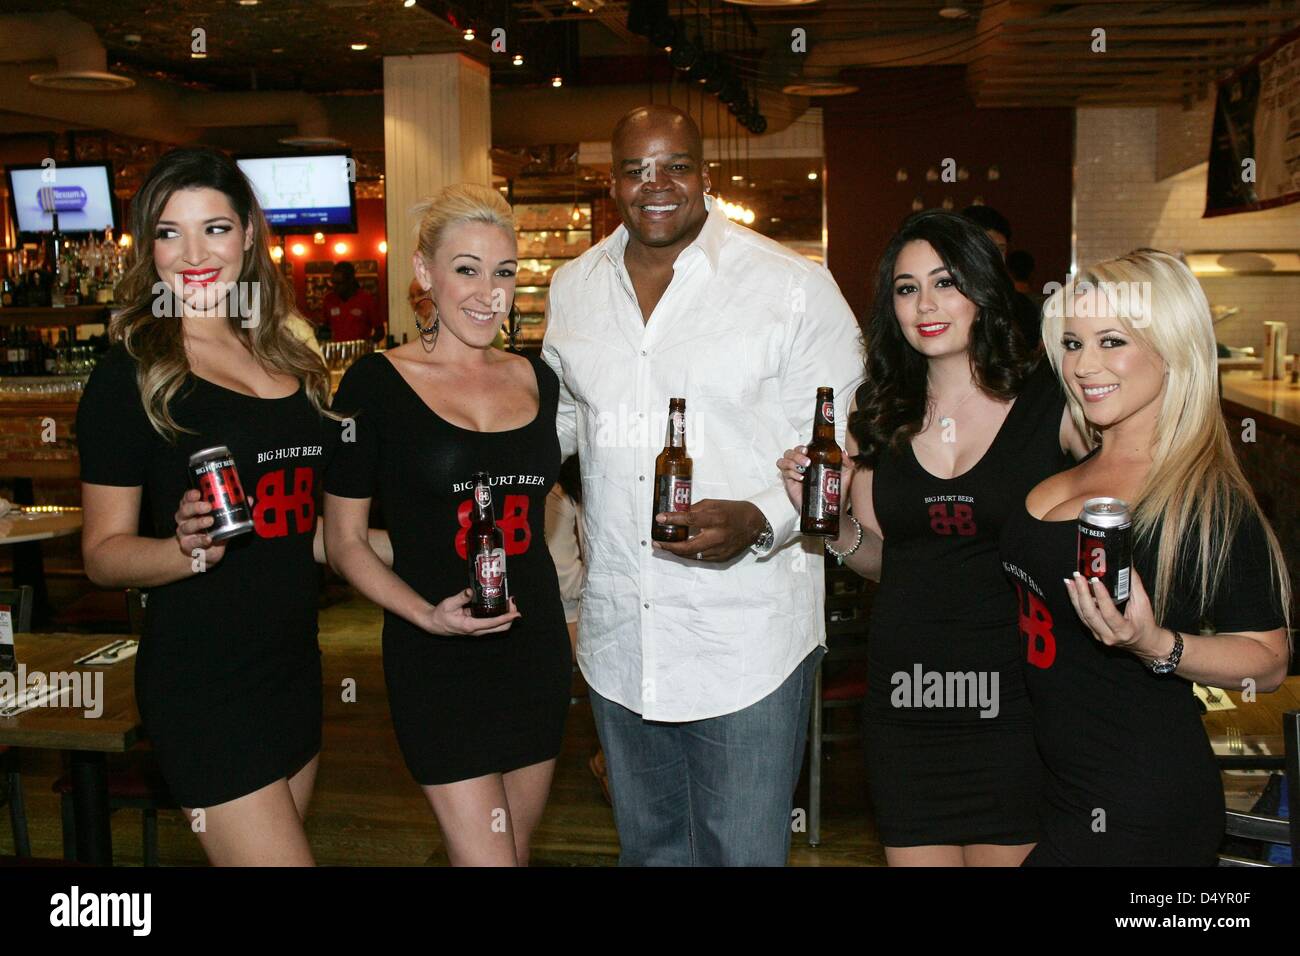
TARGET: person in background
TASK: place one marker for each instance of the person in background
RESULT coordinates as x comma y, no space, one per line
699,654
1027,312
1132,780
564,538
349,310
1021,266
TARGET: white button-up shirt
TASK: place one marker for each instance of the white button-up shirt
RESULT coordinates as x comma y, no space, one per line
746,332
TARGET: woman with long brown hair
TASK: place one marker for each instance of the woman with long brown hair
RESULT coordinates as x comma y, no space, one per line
228,674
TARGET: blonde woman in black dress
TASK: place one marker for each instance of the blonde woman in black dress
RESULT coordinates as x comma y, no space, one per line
478,704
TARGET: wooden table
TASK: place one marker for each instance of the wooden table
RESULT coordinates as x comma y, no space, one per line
17,528
87,739
1260,722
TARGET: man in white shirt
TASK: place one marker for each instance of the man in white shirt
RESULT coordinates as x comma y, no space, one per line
700,655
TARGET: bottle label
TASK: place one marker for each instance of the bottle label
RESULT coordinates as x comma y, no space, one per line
490,574
828,412
679,424
483,495
823,492
672,494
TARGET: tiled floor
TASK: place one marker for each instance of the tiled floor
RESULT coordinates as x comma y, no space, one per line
367,810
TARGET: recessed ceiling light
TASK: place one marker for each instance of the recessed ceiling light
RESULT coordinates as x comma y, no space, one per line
360,46
953,11
557,81
818,88
468,34
249,3
198,56
812,175
518,60
408,3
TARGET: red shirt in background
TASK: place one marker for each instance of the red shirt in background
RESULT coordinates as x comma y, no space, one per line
355,318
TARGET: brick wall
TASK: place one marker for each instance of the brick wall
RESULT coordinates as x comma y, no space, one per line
1121,204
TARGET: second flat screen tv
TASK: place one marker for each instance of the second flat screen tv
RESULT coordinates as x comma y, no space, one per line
308,193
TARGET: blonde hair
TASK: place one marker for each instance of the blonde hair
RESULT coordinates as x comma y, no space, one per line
1195,492
455,205
156,340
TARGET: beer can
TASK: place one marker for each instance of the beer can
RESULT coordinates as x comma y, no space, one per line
1106,545
213,473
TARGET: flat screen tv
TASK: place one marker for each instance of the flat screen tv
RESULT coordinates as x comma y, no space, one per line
305,193
81,193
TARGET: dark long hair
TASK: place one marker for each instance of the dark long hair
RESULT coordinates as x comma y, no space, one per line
891,401
157,343
570,478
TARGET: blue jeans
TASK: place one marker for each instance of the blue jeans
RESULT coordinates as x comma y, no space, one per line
713,792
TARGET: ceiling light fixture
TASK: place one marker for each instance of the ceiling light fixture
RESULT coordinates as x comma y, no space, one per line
518,60
360,46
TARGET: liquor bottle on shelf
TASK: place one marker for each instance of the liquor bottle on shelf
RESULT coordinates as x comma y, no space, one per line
55,248
6,292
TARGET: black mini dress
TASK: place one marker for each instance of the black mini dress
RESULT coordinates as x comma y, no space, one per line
228,675
462,707
948,735
1131,778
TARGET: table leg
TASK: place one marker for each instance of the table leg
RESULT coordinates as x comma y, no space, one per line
90,807
29,562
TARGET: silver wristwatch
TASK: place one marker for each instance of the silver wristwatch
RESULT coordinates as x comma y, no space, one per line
763,543
1170,663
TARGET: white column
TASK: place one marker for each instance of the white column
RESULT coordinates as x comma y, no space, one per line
437,131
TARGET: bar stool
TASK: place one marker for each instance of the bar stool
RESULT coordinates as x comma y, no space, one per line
19,601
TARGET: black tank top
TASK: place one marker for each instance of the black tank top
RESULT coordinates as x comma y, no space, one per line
944,605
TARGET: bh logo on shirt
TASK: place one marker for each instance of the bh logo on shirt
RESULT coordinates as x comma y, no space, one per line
952,514
1035,619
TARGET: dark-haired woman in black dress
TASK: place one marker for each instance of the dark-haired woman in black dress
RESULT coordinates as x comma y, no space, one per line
228,676
478,704
953,423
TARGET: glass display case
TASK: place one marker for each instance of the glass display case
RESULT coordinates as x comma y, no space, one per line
549,234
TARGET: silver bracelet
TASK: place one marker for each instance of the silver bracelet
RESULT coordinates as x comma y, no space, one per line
841,555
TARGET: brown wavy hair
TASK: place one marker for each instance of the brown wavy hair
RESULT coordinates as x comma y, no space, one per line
158,343
893,399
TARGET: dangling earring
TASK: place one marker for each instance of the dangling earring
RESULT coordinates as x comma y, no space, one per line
513,321
429,336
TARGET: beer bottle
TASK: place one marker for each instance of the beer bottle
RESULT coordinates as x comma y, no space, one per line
820,514
485,548
672,476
